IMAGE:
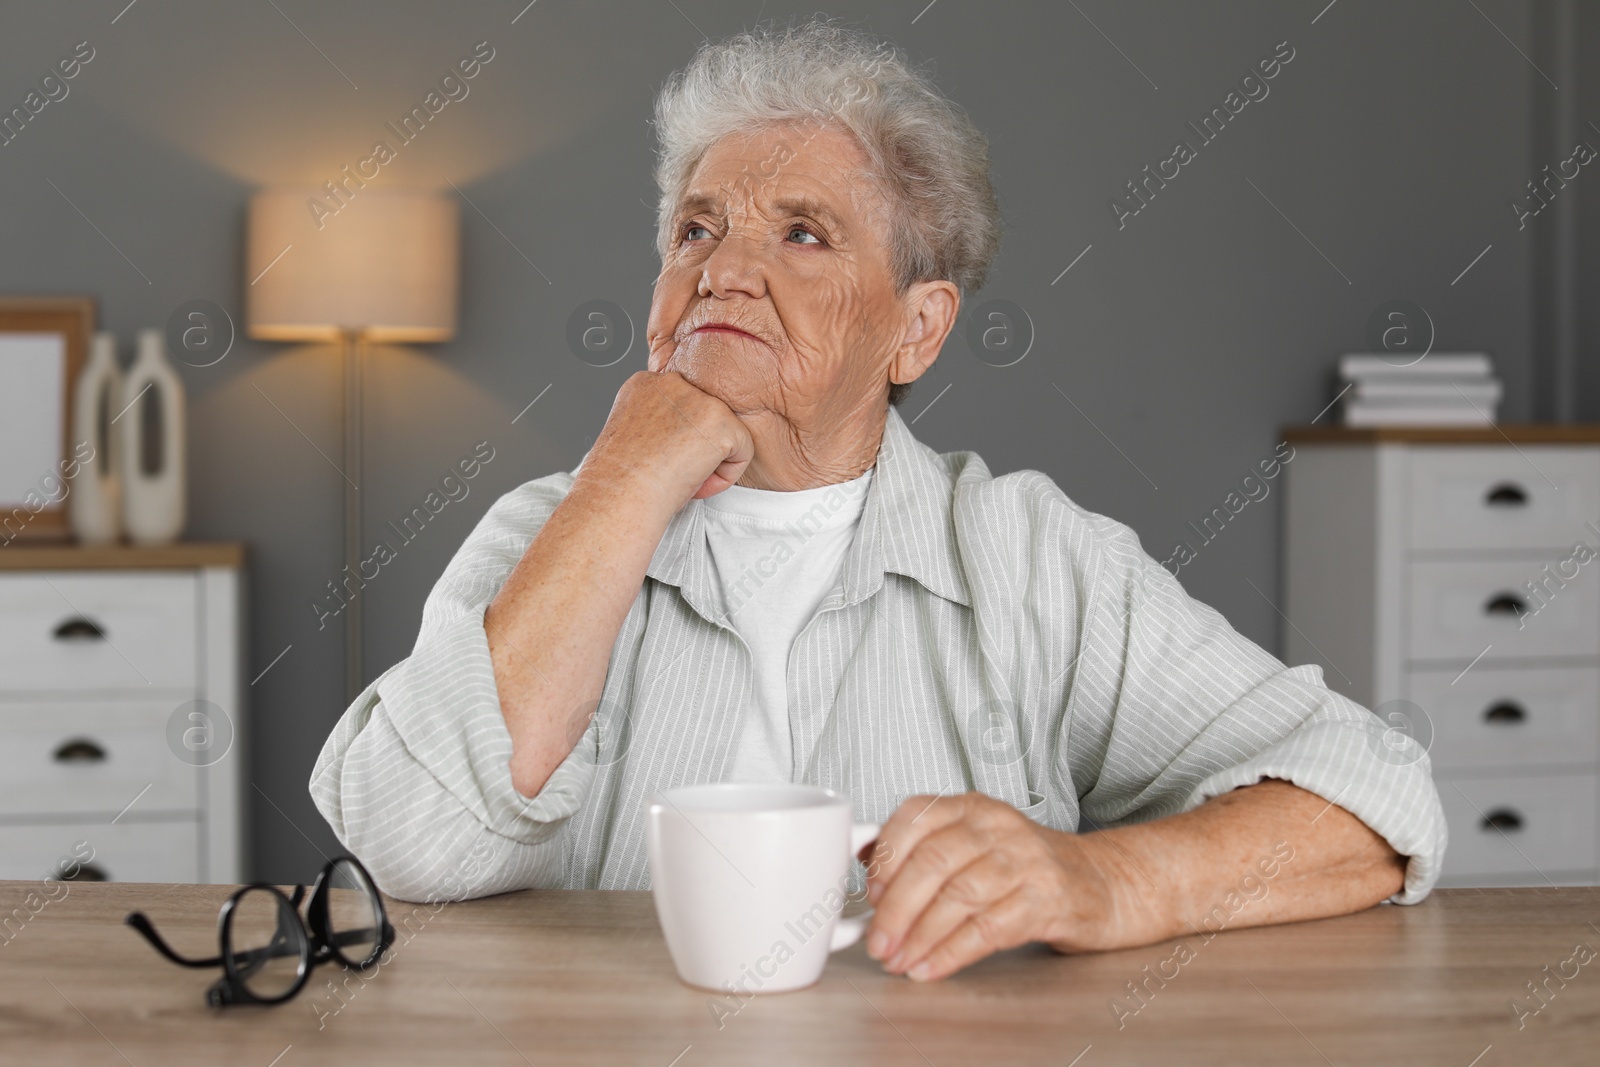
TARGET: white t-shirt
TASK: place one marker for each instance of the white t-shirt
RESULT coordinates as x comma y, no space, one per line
777,555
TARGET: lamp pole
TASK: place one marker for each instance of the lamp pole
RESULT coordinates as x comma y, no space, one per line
354,348
387,271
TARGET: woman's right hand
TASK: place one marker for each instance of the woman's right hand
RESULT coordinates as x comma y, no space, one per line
673,441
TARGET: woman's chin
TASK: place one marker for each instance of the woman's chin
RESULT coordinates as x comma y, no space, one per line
715,382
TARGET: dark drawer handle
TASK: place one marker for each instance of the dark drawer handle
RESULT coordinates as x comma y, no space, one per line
80,750
1506,604
79,628
88,872
1506,495
1503,819
1505,713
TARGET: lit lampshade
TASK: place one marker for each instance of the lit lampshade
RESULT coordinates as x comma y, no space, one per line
383,266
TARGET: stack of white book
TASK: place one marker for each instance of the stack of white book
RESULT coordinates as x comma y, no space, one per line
1440,389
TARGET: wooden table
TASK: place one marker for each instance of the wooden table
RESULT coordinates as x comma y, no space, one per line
571,977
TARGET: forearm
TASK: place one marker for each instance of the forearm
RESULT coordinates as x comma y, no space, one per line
553,624
1262,854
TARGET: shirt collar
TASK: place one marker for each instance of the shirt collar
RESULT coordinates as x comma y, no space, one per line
906,528
910,513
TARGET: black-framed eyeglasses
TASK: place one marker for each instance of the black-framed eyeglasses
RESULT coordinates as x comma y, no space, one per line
268,951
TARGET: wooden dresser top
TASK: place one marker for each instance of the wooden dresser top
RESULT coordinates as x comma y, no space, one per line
68,556
1527,433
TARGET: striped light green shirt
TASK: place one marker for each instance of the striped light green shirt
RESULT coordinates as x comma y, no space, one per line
985,634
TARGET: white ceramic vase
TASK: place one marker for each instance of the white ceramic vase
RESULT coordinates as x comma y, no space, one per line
152,445
94,507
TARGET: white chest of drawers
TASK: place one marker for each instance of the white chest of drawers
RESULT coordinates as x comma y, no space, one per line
122,718
1437,575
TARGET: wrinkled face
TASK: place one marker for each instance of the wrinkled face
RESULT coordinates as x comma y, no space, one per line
782,236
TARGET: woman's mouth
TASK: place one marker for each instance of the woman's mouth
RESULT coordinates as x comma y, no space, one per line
720,327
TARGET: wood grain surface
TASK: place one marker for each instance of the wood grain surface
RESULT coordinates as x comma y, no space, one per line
584,978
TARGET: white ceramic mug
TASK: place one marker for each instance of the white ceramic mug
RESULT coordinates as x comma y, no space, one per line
749,881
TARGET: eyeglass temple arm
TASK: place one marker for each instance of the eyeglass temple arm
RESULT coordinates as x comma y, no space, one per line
138,921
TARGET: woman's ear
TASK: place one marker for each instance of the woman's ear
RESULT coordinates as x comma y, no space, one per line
931,309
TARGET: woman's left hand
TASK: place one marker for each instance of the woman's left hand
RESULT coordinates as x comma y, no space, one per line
956,878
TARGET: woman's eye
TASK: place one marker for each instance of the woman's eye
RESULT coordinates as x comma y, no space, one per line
802,230
688,233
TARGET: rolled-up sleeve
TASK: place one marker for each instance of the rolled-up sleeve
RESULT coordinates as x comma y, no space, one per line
1171,707
415,778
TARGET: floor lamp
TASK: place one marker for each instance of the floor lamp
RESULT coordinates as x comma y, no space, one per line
352,265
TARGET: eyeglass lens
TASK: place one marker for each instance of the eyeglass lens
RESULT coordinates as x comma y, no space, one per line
354,917
267,942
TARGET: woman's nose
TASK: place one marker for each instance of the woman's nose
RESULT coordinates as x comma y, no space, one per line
738,264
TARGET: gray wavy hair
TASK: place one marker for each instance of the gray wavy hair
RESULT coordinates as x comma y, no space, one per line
930,162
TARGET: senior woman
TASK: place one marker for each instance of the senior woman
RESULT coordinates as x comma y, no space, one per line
758,573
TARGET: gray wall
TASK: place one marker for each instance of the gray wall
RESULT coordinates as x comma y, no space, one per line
1582,225
1185,340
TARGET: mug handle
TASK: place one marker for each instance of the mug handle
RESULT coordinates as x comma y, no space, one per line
847,931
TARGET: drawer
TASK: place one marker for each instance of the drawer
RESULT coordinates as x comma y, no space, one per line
125,851
83,757
1458,608
1510,717
1546,824
1495,497
63,630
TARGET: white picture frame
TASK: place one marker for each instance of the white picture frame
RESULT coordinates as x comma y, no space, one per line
44,342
